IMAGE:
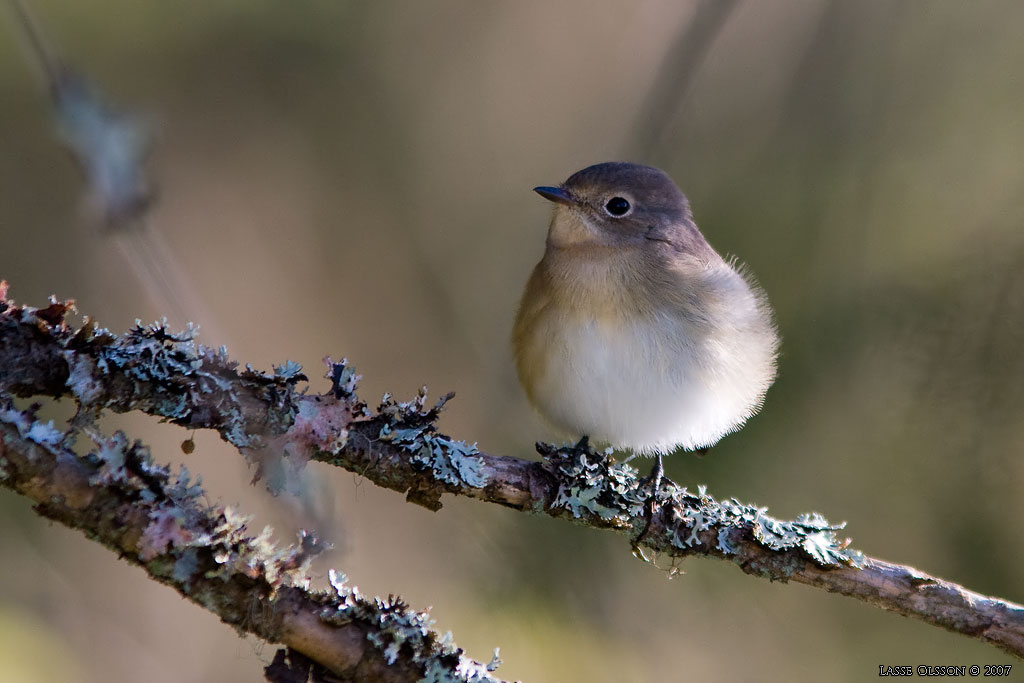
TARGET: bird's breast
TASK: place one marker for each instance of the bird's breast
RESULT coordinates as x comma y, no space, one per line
639,374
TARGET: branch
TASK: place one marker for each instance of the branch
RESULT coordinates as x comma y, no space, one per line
398,447
676,73
158,520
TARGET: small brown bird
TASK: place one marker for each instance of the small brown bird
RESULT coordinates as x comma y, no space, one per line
632,329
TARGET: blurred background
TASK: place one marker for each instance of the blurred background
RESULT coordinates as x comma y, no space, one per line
354,179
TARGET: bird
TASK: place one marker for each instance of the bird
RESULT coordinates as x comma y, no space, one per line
632,331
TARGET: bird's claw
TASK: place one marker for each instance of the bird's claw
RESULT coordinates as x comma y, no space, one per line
654,481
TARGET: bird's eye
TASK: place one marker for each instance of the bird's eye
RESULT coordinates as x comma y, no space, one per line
617,206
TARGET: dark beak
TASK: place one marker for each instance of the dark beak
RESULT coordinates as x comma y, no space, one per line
556,194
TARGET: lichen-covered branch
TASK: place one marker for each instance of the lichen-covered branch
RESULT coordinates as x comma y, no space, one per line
397,446
158,520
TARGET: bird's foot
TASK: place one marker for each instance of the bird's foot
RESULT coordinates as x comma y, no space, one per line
583,444
653,480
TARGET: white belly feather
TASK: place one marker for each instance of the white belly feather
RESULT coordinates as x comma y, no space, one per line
654,384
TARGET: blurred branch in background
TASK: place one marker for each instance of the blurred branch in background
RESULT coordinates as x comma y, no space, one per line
158,520
397,447
675,76
110,147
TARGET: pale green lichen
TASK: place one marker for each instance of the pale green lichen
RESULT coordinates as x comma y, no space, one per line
579,501
174,376
178,522
451,461
393,627
344,379
42,433
697,522
46,434
290,370
592,484
725,543
186,566
153,353
82,379
412,428
466,671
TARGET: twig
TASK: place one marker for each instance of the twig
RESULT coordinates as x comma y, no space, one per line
157,519
398,447
676,73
